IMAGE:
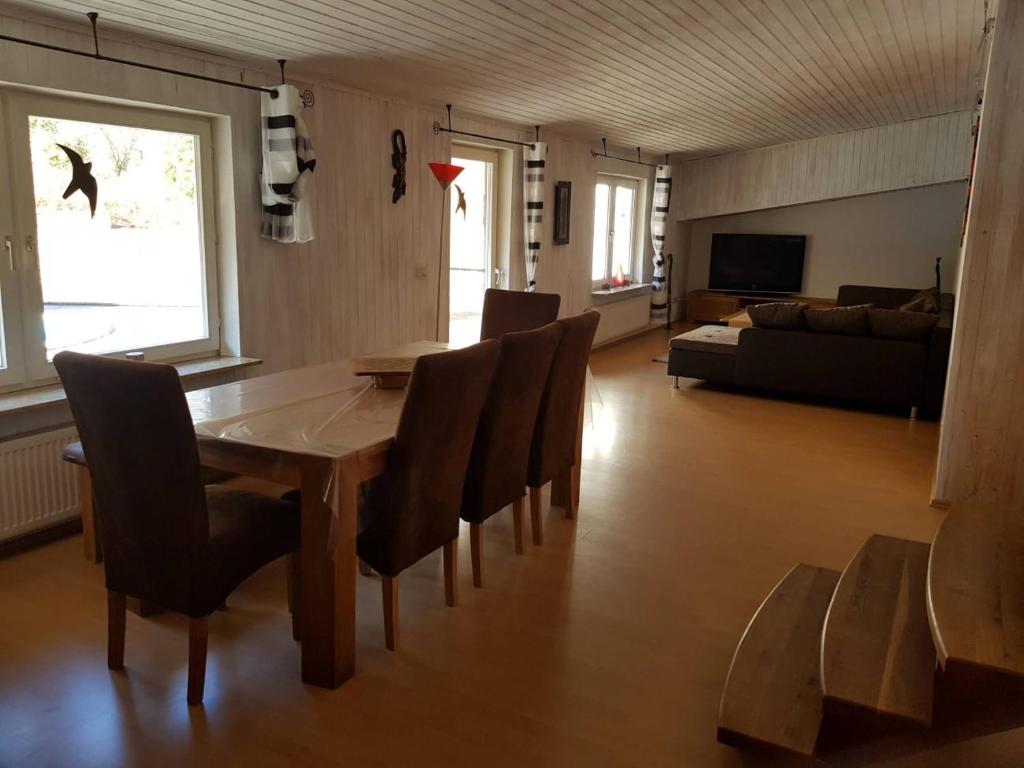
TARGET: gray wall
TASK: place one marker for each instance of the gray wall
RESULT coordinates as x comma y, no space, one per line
888,239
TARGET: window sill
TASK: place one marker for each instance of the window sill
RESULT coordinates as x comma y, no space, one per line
619,294
25,400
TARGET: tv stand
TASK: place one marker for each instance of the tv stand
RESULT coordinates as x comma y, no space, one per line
704,306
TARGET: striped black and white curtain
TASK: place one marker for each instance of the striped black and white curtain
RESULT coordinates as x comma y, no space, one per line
659,223
287,172
533,197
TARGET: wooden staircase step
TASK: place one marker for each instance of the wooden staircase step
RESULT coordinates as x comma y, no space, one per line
772,694
976,589
876,648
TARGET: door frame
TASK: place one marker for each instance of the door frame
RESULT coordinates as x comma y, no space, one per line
495,272
11,268
490,155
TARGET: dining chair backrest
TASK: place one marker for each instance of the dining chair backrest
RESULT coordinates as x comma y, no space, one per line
501,448
415,502
513,311
141,450
553,449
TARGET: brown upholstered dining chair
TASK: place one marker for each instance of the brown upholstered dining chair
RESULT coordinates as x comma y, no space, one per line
512,311
501,449
166,539
412,508
74,455
554,450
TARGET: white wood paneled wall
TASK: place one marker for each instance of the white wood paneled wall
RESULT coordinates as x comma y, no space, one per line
915,153
696,76
369,280
565,269
981,448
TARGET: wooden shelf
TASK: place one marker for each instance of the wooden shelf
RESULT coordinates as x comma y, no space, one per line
976,589
772,695
876,648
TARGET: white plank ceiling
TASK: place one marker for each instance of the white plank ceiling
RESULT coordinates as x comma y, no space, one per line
698,77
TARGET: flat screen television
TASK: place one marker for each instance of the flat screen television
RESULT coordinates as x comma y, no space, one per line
757,263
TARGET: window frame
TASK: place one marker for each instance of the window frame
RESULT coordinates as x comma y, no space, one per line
614,181
490,156
18,106
11,353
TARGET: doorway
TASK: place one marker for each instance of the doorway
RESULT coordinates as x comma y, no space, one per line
473,240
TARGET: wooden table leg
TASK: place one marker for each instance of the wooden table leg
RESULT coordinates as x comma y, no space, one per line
327,563
90,541
517,523
560,487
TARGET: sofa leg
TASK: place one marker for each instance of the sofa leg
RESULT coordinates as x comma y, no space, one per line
675,382
197,641
913,413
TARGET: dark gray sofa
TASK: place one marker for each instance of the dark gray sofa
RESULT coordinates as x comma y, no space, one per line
867,369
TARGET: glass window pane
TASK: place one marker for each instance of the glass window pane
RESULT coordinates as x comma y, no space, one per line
622,239
470,246
131,276
599,270
3,336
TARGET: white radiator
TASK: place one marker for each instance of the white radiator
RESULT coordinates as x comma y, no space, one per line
37,488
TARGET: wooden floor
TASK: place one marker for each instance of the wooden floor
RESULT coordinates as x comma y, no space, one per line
607,646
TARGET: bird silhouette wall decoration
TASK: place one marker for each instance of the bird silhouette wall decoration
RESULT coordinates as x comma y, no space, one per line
461,206
82,179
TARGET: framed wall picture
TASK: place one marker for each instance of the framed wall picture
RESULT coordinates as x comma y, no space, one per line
563,202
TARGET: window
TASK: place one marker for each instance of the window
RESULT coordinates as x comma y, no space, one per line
138,273
472,240
616,202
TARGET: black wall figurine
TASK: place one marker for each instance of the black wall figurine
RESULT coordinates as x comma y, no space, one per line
398,154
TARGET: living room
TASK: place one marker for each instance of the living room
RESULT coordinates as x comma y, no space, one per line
856,232
565,383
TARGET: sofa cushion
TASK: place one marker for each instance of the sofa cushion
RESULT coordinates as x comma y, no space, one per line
901,324
849,321
779,315
718,339
927,300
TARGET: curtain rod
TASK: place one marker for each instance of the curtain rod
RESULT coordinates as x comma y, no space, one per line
438,128
638,161
306,95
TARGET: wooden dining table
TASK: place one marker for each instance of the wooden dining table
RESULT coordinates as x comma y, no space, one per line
322,429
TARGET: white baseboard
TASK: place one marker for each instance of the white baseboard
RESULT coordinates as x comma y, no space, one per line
629,335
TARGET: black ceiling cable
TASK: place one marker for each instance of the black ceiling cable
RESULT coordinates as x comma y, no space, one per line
307,95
